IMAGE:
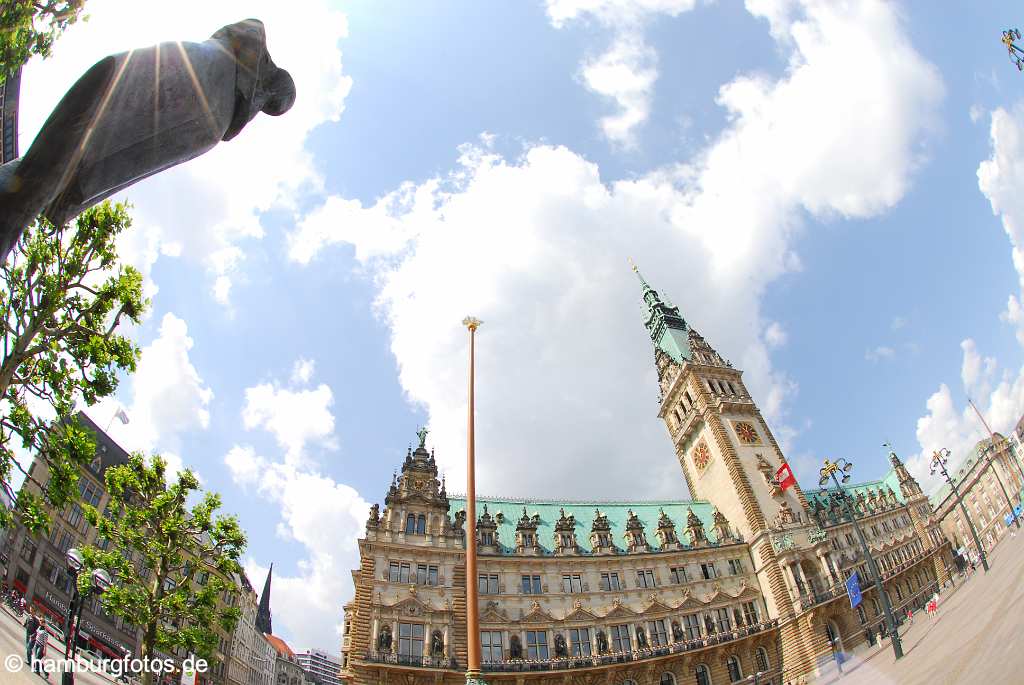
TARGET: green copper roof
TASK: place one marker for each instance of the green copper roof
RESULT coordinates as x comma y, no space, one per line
617,513
891,480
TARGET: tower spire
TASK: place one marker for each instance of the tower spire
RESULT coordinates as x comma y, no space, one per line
664,323
263,623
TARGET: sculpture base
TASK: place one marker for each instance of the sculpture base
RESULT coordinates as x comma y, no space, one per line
473,678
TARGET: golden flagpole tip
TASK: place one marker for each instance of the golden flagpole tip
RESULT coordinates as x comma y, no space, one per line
472,323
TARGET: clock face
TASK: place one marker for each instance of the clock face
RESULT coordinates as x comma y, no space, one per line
746,433
701,455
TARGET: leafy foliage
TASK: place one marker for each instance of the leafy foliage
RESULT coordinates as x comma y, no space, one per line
63,294
169,564
30,27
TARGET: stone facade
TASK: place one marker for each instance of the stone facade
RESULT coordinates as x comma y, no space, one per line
746,577
986,480
253,657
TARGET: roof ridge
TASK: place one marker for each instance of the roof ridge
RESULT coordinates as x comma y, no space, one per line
537,500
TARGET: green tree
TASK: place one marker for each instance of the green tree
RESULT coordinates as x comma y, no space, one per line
169,564
30,27
63,294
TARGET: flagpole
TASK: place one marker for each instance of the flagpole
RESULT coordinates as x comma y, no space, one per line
472,604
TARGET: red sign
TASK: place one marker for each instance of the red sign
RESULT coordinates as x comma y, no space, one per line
784,476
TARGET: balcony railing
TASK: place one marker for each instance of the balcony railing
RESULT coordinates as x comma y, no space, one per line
565,663
410,660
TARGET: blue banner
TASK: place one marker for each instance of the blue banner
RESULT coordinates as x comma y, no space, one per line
853,590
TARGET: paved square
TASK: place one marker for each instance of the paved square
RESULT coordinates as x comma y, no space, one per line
974,638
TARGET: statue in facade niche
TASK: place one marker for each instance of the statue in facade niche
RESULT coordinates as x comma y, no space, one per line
677,631
384,639
641,638
515,648
561,649
602,642
437,644
135,114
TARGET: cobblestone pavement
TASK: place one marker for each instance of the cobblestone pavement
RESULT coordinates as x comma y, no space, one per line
974,638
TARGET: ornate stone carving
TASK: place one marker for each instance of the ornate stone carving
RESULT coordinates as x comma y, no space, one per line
695,529
817,535
782,543
768,473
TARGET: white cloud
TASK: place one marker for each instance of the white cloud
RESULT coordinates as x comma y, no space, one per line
322,515
998,393
775,335
536,247
627,70
267,165
302,371
898,322
879,353
294,417
1001,180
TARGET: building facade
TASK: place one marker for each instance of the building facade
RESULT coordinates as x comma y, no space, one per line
324,668
253,657
990,482
36,566
287,670
746,577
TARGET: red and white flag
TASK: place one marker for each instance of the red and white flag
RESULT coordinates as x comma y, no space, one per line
784,476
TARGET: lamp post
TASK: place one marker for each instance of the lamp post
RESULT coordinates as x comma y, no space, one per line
1009,35
755,678
939,459
100,584
843,467
472,606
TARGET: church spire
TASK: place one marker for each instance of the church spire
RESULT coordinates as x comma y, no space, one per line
263,623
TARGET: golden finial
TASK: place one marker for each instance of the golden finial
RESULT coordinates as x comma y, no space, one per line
472,323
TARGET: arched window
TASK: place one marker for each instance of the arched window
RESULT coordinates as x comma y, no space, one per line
667,679
861,615
735,673
703,675
421,524
761,658
874,605
410,523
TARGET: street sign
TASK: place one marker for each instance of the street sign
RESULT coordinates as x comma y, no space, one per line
853,589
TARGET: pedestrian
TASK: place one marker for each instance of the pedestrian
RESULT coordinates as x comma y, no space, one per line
31,625
910,616
40,649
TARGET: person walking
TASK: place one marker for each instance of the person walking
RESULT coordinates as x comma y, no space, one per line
910,615
41,638
31,625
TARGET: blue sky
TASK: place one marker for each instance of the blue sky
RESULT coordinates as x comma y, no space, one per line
829,191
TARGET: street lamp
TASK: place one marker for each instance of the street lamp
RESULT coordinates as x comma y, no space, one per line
100,584
843,468
755,678
939,459
1009,35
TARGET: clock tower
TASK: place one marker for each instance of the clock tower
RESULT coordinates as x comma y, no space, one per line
729,457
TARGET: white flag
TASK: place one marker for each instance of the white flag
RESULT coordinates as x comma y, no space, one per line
120,415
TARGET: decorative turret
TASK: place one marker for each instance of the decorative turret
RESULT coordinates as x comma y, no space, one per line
565,534
487,531
416,503
723,533
695,529
908,485
601,534
526,534
636,541
667,531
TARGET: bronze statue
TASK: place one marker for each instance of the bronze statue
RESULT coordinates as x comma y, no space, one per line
602,642
136,114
